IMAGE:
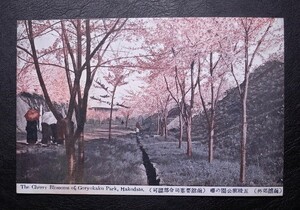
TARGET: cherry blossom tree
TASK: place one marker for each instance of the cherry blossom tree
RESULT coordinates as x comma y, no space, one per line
115,78
158,95
212,85
251,39
78,47
185,85
212,70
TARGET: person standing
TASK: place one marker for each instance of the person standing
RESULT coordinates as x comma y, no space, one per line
49,126
31,129
54,137
32,117
46,134
137,128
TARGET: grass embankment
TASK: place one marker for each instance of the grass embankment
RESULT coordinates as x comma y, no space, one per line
175,168
116,162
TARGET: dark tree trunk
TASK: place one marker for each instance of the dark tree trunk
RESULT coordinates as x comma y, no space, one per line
161,127
211,140
165,127
111,110
189,136
212,111
38,71
80,164
65,127
180,130
126,121
158,124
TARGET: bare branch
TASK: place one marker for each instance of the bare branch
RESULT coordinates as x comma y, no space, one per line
38,70
204,106
217,62
122,105
113,29
101,85
25,50
192,88
168,88
235,79
218,92
258,45
68,45
200,93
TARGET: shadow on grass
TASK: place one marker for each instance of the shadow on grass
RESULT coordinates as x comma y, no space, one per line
41,165
117,162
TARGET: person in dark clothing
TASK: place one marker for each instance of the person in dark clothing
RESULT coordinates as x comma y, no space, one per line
54,132
138,128
31,129
46,133
61,131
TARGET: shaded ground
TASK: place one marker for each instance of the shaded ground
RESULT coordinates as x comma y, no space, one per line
106,162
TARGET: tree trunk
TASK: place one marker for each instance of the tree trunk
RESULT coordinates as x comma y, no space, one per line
158,124
189,136
211,140
165,127
70,149
244,115
244,133
180,130
111,110
243,148
80,162
161,127
126,121
212,110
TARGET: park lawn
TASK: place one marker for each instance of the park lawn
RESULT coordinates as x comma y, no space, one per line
175,168
120,162
116,162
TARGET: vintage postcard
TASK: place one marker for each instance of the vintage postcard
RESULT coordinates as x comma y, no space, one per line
150,106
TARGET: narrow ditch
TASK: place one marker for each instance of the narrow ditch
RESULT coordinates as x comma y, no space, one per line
150,170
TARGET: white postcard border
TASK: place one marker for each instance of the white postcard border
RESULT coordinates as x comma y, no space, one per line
83,189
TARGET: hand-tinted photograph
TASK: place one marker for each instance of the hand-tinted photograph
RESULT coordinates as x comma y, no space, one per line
172,102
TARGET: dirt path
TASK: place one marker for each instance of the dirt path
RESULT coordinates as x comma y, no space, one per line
102,133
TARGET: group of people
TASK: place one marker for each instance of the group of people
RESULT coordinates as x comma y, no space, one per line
51,132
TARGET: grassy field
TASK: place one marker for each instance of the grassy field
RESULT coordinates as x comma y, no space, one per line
120,162
106,162
175,168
